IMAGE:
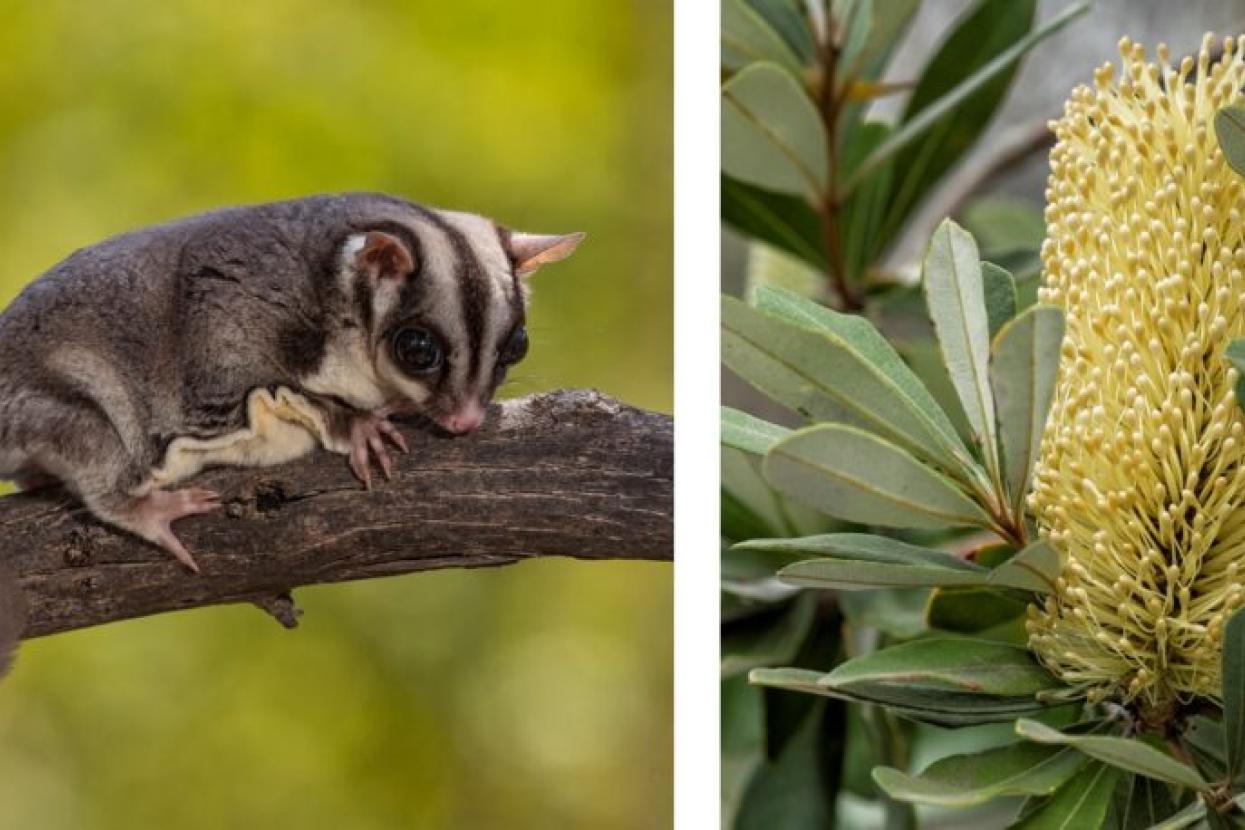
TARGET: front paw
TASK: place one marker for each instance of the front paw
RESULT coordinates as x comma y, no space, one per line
368,434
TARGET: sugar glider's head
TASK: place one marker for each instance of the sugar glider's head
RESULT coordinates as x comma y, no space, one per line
441,303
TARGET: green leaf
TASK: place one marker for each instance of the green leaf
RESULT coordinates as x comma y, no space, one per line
1003,225
850,575
759,511
1190,815
787,18
956,299
1234,693
768,639
939,680
749,433
859,477
768,266
986,29
861,215
1141,803
790,792
1081,803
965,780
1230,130
747,37
772,135
876,31
1206,742
850,561
1033,569
1000,293
786,222
1023,367
898,612
934,436
886,31
946,104
1125,753
864,547
972,610
836,367
946,664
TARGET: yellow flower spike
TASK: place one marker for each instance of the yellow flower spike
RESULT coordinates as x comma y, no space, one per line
1140,485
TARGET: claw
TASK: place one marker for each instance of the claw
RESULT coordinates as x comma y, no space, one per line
394,435
368,433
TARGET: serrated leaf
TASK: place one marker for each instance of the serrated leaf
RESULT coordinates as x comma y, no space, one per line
921,122
965,780
836,367
786,222
1230,130
1234,693
1081,803
748,37
1000,293
858,477
1023,367
772,135
749,433
1125,753
955,297
1033,569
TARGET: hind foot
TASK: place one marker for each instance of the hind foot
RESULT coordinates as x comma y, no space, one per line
154,514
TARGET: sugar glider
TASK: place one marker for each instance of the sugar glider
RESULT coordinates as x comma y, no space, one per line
250,335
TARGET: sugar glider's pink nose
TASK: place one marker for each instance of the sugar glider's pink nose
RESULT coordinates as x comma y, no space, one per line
467,419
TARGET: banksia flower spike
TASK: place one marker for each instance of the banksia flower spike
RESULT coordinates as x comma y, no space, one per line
1140,484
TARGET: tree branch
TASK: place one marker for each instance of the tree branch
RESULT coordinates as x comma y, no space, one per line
571,473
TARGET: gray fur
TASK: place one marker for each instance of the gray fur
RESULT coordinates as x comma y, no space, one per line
162,332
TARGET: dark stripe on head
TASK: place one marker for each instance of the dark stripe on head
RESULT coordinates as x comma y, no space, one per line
412,287
516,298
472,283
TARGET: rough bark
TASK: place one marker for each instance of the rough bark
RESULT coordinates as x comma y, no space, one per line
570,473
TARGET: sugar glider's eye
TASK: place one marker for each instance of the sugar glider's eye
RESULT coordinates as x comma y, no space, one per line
417,351
515,347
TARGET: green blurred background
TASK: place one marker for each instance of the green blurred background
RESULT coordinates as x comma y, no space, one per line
532,696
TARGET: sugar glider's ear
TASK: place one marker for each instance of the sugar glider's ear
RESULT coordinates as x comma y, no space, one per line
382,255
529,251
